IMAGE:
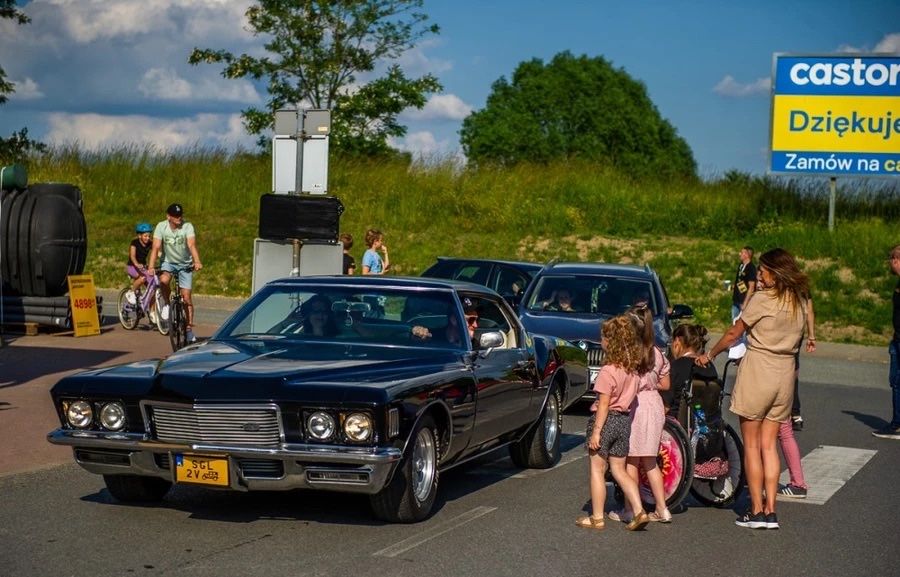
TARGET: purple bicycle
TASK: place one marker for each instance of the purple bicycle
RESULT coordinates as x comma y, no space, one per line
130,313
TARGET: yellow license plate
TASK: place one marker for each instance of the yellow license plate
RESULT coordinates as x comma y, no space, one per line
201,470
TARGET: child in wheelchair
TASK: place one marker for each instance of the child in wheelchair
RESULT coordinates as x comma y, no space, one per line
695,401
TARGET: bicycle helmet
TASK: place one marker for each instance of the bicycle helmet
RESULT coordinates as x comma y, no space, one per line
143,227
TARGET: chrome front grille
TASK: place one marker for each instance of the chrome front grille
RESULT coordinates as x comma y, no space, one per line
595,357
255,425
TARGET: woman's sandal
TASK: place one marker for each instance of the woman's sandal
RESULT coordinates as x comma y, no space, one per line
657,518
589,522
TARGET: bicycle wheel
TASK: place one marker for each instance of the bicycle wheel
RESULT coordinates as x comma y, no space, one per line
178,328
723,491
162,324
128,313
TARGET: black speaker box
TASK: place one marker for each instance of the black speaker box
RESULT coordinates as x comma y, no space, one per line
287,216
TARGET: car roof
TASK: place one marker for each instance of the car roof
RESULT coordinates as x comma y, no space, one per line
384,281
620,270
530,266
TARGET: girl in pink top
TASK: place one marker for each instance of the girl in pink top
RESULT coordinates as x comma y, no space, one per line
609,428
648,414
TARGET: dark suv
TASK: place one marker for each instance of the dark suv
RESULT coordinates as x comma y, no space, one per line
595,292
508,278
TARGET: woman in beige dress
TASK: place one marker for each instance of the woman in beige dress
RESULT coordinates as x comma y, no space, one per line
773,318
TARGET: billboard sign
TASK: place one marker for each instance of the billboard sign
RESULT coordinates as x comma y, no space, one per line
837,115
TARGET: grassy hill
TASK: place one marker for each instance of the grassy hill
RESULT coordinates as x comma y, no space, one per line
689,231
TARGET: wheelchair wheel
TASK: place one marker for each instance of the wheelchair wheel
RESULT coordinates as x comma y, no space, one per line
128,313
162,324
676,463
723,491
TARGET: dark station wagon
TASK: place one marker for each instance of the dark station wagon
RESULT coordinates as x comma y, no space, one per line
359,384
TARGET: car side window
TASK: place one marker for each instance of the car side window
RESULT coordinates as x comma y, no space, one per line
472,273
491,317
510,282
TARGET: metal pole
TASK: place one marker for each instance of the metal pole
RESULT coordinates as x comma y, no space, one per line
831,198
2,245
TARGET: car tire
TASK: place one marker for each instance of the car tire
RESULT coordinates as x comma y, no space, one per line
539,448
136,489
410,495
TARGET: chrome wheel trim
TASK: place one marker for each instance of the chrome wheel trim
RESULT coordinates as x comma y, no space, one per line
424,461
551,422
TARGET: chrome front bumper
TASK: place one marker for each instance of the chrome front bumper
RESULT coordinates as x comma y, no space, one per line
289,466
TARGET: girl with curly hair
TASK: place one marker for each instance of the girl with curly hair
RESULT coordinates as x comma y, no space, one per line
609,428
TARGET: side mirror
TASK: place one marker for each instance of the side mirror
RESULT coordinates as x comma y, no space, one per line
681,312
491,340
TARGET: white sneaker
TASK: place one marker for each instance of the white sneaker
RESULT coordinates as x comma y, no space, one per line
165,312
153,318
129,296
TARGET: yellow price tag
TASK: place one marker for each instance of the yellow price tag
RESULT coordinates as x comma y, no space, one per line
83,301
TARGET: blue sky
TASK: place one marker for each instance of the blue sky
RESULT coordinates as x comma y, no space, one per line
104,72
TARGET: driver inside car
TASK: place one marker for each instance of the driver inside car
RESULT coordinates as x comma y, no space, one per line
451,334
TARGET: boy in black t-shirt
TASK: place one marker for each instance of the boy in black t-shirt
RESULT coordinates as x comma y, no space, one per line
744,282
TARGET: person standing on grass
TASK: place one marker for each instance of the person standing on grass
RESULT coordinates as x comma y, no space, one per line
372,262
609,427
349,266
744,282
177,240
774,318
892,429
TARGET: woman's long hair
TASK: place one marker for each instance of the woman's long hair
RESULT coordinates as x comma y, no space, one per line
623,348
791,285
642,318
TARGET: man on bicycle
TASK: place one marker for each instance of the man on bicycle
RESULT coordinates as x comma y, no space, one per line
176,238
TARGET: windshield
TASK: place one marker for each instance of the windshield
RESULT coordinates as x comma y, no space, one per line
596,294
373,315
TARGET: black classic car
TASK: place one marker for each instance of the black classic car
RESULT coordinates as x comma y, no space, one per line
361,384
508,277
571,301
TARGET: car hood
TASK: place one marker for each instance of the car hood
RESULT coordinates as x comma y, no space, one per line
576,327
227,371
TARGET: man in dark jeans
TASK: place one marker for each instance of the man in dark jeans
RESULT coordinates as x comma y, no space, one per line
892,430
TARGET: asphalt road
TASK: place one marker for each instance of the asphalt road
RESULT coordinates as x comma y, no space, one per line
491,518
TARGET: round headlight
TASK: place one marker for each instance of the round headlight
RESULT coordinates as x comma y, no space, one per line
358,427
80,414
112,416
320,425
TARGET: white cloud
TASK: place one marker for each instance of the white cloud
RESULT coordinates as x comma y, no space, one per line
440,107
91,20
426,148
730,87
416,63
97,131
26,90
166,84
890,43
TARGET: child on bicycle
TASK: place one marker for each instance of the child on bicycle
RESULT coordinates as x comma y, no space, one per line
609,428
138,251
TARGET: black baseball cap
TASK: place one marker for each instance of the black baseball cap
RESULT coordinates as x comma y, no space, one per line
175,210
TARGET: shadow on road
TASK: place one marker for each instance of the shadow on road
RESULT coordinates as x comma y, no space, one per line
869,420
20,364
322,506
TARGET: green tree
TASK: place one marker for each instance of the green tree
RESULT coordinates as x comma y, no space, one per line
316,50
18,145
575,107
